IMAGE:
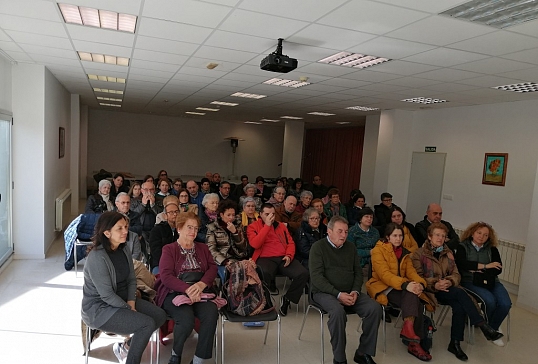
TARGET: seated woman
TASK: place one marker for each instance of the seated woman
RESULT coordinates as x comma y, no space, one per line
358,202
205,185
277,199
207,215
395,281
250,191
334,207
163,188
296,188
177,184
118,185
364,236
304,201
100,201
184,202
434,262
186,270
398,217
109,300
225,237
478,259
318,205
248,216
135,193
310,231
148,178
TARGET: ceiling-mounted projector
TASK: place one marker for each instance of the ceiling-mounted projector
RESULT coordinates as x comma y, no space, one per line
278,62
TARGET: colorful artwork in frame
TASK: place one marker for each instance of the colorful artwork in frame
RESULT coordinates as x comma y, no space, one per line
495,169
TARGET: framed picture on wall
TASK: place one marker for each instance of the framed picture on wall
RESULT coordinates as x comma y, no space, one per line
62,143
495,169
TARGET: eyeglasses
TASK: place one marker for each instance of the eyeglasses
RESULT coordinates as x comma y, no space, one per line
177,184
387,200
175,212
183,195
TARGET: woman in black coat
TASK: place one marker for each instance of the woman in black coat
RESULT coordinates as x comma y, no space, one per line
311,230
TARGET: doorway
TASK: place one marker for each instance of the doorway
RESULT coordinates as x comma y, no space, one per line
6,244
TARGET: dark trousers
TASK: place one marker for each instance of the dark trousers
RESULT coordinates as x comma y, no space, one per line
369,311
141,323
184,316
295,271
497,301
462,306
410,305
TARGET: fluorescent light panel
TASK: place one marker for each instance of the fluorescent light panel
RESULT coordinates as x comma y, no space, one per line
424,100
343,122
222,103
102,58
286,83
291,117
206,109
98,18
194,113
253,122
108,99
362,108
106,78
97,89
270,120
106,104
523,87
320,113
495,13
248,96
355,60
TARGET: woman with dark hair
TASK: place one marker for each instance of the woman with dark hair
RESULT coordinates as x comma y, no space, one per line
205,185
100,201
163,175
358,202
184,202
135,193
296,188
187,269
397,216
148,178
225,237
118,185
109,301
479,261
434,262
364,235
394,280
177,184
163,188
310,231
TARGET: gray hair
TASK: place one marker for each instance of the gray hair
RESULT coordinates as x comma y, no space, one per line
248,199
306,193
275,190
308,212
209,196
104,182
121,194
336,219
249,185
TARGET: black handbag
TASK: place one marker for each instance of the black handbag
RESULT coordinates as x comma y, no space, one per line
484,280
191,277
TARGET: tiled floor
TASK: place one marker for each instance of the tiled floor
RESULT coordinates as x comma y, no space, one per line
40,323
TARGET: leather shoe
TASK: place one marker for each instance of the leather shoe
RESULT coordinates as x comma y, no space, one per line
284,305
363,359
490,333
455,348
416,350
408,332
339,362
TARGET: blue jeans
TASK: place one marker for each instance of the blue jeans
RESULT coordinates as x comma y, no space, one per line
497,301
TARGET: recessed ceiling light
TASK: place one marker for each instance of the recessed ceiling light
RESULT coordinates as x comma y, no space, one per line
270,120
206,109
498,14
194,113
519,87
320,113
103,58
286,83
223,103
108,99
424,100
248,96
106,104
355,60
253,122
106,78
98,18
211,65
97,89
362,108
291,117
343,122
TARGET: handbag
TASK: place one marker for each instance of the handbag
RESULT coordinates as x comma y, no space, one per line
194,277
484,280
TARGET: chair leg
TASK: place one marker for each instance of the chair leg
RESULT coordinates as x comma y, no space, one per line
384,329
278,340
470,336
88,342
322,339
217,343
304,320
508,327
222,339
266,332
76,261
398,319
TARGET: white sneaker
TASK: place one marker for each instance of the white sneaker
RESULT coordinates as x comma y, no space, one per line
498,342
120,351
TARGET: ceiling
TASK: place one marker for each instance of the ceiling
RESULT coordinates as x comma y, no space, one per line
431,55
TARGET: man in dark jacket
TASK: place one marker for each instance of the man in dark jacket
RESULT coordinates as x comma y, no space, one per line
383,213
123,205
318,189
434,213
162,234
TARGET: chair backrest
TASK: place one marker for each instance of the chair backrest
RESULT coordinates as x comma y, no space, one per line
85,228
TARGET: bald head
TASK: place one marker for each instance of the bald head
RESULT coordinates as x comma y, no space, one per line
289,204
192,187
434,212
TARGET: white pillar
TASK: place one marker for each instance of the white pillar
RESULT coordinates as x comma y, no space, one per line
75,153
292,155
83,150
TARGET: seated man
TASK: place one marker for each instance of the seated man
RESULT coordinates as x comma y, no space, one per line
274,253
195,196
434,213
224,190
383,212
239,189
336,278
318,189
287,215
215,183
123,205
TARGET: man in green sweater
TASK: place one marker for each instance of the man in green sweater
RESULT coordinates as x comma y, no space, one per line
336,278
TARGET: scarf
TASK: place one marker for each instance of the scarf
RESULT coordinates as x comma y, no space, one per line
106,198
244,218
211,214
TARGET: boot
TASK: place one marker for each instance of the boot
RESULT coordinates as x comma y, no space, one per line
455,348
490,333
408,332
416,350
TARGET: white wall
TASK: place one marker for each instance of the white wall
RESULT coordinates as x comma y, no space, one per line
292,158
83,150
144,144
5,85
369,155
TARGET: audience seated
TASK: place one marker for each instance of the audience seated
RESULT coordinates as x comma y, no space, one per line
166,201
250,191
184,202
358,202
318,189
310,231
195,196
334,207
123,205
262,191
163,175
215,183
239,190
304,201
287,215
135,193
163,188
162,234
118,185
100,201
148,209
277,199
224,190
248,216
398,217
207,214
296,188
177,184
318,205
382,211
149,178
364,236
434,213
479,263
274,253
205,186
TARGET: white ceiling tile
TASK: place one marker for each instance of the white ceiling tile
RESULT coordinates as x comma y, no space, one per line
448,75
36,9
165,45
7,45
68,70
425,5
488,81
186,11
222,54
119,6
173,31
528,28
148,65
497,43
445,57
383,87
344,82
49,51
307,10
19,56
100,48
268,26
358,15
176,59
145,77
201,72
103,67
202,63
440,30
329,37
390,48
494,65
412,82
240,85
241,42
371,76
325,69
54,60
449,87
402,68
43,27
156,73
38,39
96,71
529,56
528,75
245,78
231,3
325,88
106,36
4,37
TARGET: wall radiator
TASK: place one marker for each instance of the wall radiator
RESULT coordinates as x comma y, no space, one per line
63,210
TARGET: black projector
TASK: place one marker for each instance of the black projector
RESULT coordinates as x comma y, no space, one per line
278,62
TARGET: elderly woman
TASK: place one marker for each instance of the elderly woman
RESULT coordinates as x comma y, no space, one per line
109,301
250,191
279,194
397,216
207,215
364,236
334,207
434,262
318,205
187,269
225,237
479,263
184,202
118,185
305,198
310,231
394,280
101,201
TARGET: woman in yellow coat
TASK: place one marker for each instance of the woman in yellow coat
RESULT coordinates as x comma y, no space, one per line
395,280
